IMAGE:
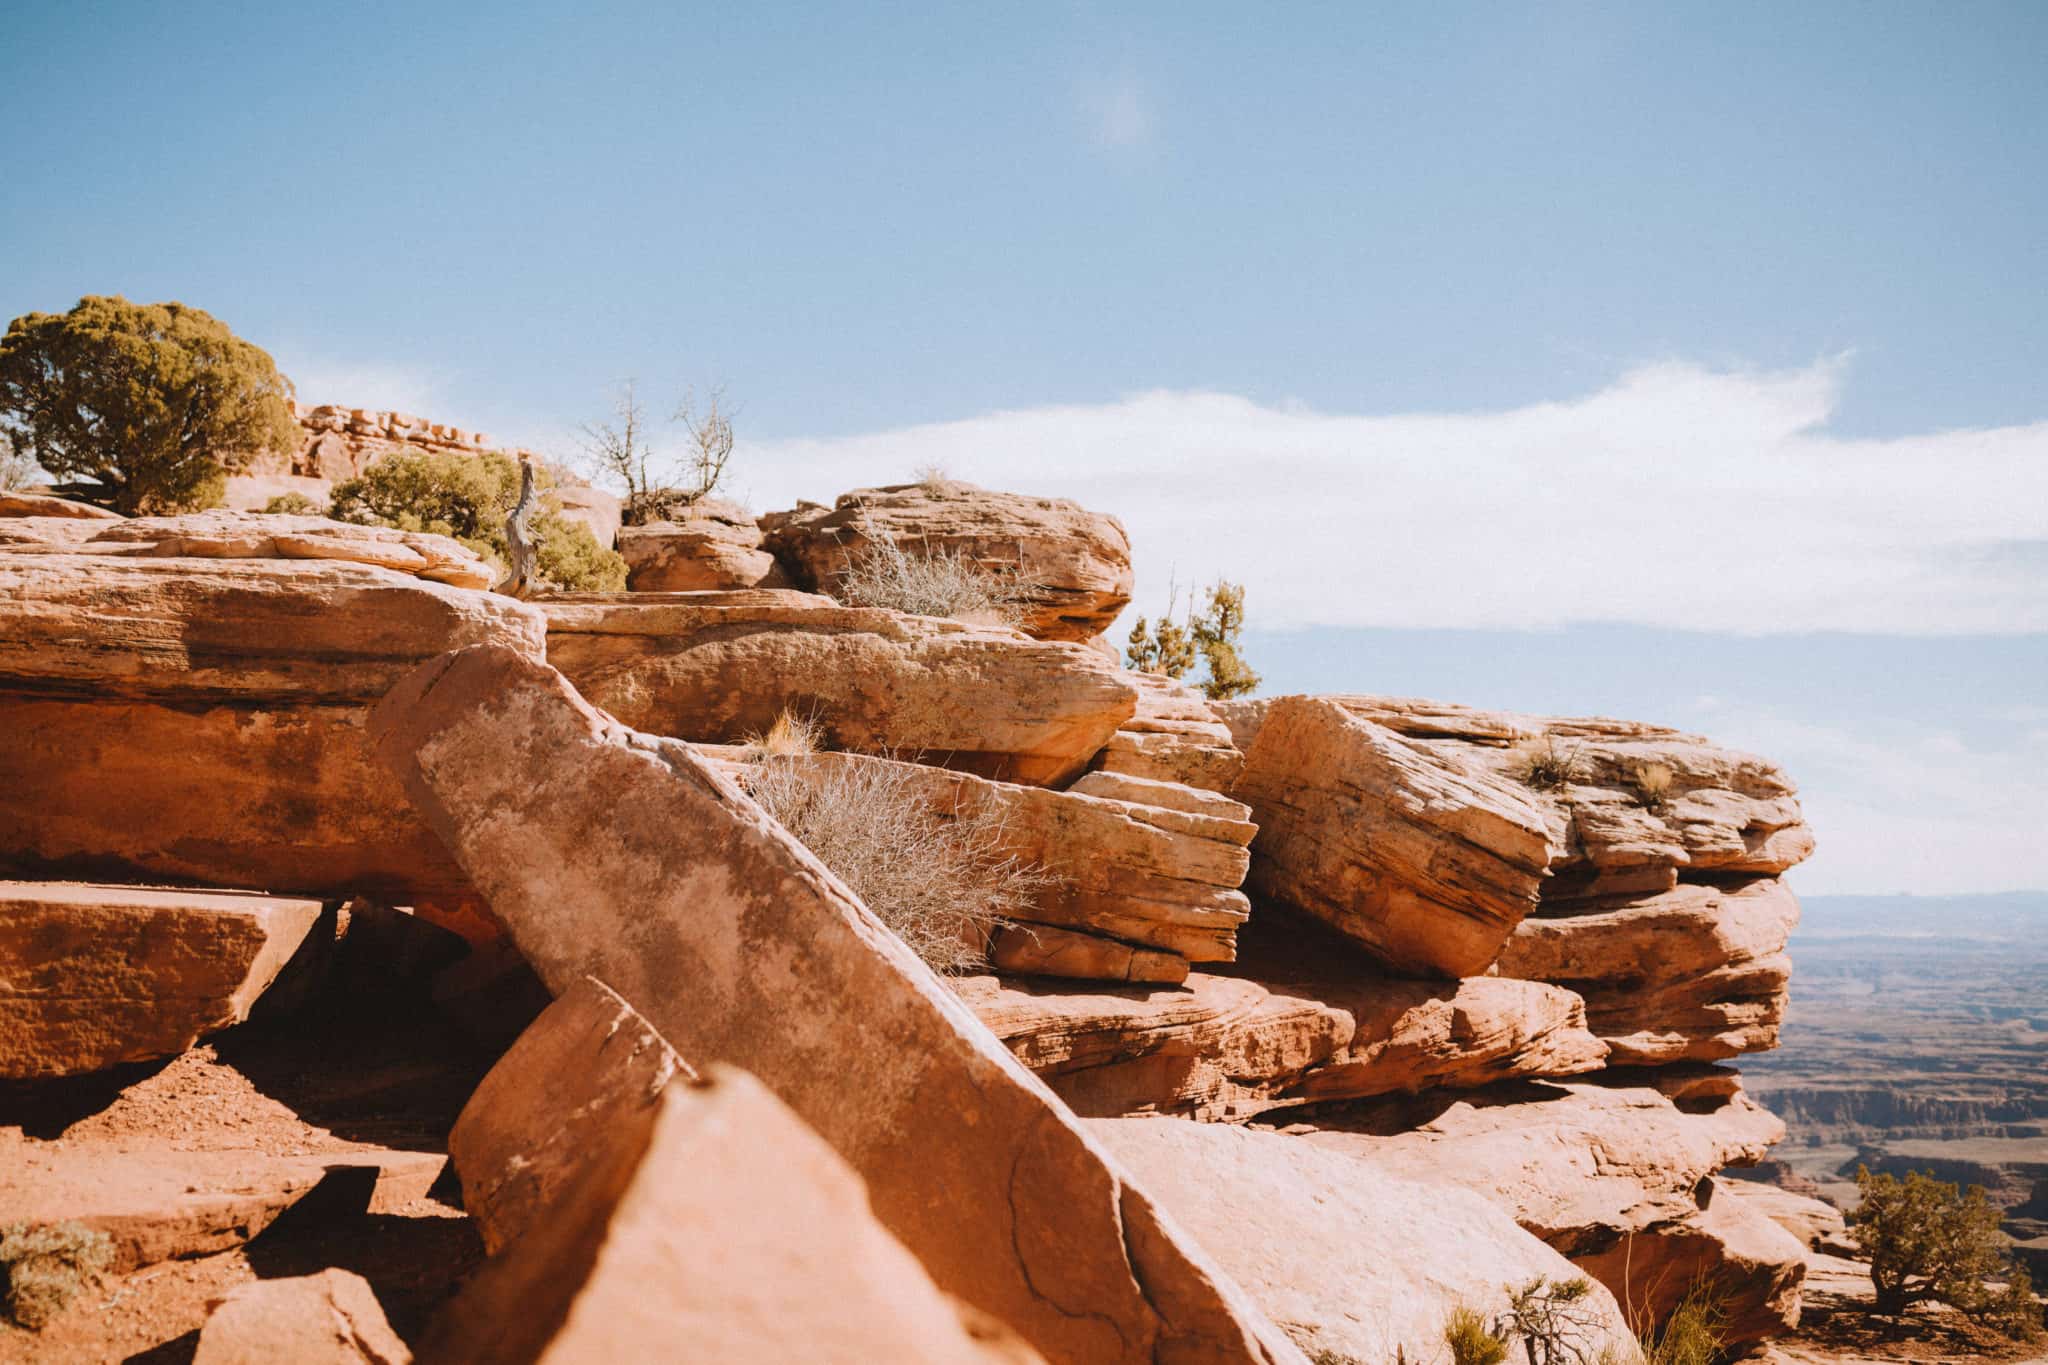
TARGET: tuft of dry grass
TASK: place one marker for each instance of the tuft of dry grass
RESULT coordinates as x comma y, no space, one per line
791,736
1543,764
1653,782
45,1266
1695,1331
933,477
943,883
931,582
1471,1340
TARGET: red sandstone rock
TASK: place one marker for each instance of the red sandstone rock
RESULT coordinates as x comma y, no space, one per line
1076,562
620,855
722,666
716,548
332,1318
1174,736
47,505
92,976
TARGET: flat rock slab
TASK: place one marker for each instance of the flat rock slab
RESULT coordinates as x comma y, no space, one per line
201,720
1232,1048
1175,735
1075,564
252,535
706,1223
716,548
1353,1264
48,505
623,856
92,976
332,1318
1428,864
1696,973
720,667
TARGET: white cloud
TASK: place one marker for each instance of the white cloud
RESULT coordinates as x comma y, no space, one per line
1675,496
389,388
1119,114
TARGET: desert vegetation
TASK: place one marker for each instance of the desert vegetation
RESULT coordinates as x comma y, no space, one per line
1543,763
1211,637
929,581
468,497
44,1267
620,447
139,407
942,882
1931,1241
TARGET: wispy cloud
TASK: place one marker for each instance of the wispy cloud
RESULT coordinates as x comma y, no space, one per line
1676,495
1120,114
391,388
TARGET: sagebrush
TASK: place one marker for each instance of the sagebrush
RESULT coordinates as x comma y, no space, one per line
45,1266
943,882
929,581
1543,763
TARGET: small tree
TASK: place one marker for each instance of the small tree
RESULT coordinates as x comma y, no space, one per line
1211,637
1929,1240
1555,1321
468,498
622,448
152,404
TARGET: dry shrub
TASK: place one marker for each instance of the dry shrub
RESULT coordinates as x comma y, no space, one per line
791,736
1695,1332
1542,763
1471,1340
931,582
1653,782
45,1267
932,477
944,884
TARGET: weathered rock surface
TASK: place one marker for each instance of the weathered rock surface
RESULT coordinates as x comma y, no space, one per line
740,948
1428,863
251,535
1231,1048
1696,973
1812,1222
49,505
92,976
1175,735
1353,1264
332,1318
201,720
719,667
1614,1176
1149,877
588,1069
707,1221
1075,563
716,549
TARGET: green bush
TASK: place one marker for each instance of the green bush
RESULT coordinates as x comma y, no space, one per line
153,405
1928,1239
293,505
467,498
1212,636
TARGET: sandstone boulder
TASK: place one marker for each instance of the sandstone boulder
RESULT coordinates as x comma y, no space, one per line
1353,1264
722,666
19,504
201,720
1616,1177
1812,1222
588,1069
627,857
715,549
1696,973
1175,736
92,976
1122,875
1232,1048
1428,863
1075,563
598,510
247,535
332,1318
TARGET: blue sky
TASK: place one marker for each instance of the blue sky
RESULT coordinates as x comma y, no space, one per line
1571,323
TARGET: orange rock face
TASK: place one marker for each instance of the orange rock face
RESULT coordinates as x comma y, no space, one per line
626,857
92,976
716,549
1174,736
1077,563
202,719
722,666
332,1318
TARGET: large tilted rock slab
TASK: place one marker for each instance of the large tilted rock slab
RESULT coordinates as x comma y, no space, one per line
715,548
722,666
92,976
588,1069
1353,1264
634,1204
1175,735
1428,864
49,505
332,1318
1118,867
1230,1048
1616,1177
1696,973
627,857
201,720
1075,564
